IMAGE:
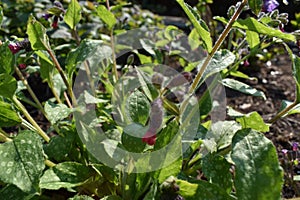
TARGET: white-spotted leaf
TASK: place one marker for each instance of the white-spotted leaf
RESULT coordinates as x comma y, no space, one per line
22,161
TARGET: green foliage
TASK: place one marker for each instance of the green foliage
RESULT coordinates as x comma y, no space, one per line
6,60
8,85
8,116
37,35
257,167
123,135
73,15
22,161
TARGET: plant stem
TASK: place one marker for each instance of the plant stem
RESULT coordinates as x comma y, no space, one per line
32,94
112,45
61,72
3,136
283,112
217,46
30,119
49,163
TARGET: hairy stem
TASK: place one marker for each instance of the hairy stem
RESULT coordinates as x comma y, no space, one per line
3,136
283,112
30,119
32,94
64,78
217,46
112,45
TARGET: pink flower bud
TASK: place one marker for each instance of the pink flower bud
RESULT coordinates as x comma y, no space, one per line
14,48
149,137
22,66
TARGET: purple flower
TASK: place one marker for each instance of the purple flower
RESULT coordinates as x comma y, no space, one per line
295,146
270,5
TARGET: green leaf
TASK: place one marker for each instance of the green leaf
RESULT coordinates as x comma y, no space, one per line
201,190
65,175
170,137
8,85
138,107
73,15
106,16
296,74
37,35
143,82
13,192
242,87
57,112
252,39
87,49
8,116
221,60
47,66
22,161
253,120
252,24
199,24
221,133
258,174
6,60
61,147
217,170
255,6
132,137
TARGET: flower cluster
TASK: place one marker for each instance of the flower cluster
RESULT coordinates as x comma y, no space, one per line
56,11
269,5
21,45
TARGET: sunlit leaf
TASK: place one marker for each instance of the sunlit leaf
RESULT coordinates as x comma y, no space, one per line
106,16
56,112
138,107
8,116
37,35
73,15
198,23
22,161
252,39
242,87
253,120
252,24
201,190
258,174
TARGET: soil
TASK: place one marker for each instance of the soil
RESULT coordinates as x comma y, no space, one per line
277,82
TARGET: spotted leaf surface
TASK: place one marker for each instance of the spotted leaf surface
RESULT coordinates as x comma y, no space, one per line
22,161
